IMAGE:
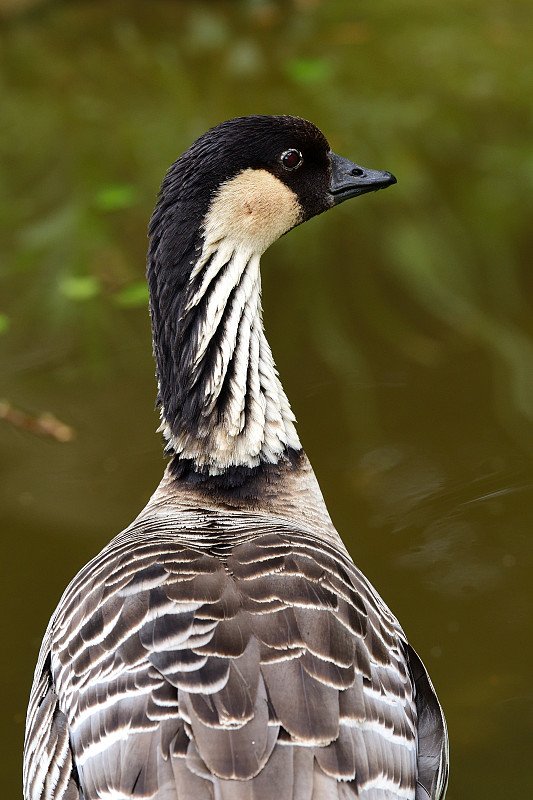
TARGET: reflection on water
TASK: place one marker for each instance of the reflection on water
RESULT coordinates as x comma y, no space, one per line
401,323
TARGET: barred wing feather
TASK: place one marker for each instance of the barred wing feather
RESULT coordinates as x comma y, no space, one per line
238,659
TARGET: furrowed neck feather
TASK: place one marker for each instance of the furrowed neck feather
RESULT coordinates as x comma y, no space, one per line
222,404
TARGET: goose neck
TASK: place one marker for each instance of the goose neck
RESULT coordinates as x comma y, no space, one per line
222,403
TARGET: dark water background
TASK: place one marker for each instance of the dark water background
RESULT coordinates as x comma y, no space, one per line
401,322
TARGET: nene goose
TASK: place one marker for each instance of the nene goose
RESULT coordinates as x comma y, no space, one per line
224,646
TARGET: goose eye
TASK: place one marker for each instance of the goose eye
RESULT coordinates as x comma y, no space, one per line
291,159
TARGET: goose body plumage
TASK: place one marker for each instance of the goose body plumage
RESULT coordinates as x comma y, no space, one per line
224,646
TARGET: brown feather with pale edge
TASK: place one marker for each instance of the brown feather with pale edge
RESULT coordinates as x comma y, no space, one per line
279,672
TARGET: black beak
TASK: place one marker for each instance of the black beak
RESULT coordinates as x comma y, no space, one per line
350,180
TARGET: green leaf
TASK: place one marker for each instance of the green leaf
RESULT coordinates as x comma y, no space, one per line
309,70
115,197
79,287
136,294
5,322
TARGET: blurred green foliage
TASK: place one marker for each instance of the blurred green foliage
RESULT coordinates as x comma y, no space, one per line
4,323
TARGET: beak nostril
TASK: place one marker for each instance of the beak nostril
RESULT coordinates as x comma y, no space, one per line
351,180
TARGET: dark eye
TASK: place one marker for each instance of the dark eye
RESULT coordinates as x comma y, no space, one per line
291,159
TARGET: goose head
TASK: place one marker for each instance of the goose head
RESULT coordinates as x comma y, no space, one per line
255,178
